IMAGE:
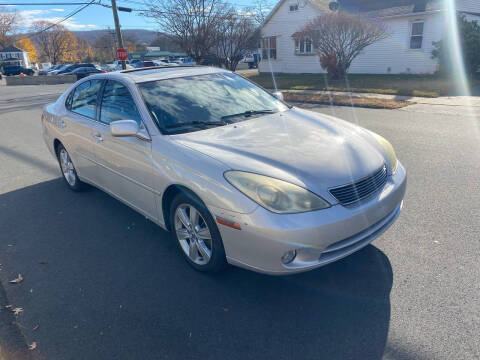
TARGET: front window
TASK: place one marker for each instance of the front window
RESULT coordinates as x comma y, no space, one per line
118,104
269,47
198,102
293,7
416,35
303,46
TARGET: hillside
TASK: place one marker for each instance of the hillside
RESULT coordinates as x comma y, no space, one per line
141,36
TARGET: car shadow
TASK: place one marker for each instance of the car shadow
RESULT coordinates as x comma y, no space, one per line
101,281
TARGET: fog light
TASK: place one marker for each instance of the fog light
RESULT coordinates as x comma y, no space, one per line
289,256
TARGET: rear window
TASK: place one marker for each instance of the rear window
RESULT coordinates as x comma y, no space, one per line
84,100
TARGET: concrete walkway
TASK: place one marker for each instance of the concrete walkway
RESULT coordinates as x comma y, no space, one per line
470,101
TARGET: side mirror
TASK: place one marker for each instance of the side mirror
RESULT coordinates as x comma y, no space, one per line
278,95
121,128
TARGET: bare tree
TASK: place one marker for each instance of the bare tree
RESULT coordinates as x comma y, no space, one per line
237,35
165,42
9,22
55,42
193,24
260,10
339,38
104,48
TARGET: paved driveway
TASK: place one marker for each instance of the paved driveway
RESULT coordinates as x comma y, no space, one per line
115,287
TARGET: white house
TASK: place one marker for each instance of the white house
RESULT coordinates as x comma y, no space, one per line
12,55
412,26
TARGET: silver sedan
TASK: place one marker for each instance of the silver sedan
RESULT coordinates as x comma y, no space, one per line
237,175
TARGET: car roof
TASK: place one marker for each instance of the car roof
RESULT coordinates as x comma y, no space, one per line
141,75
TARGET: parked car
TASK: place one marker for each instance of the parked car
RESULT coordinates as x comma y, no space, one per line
57,70
136,63
211,60
119,67
17,70
72,67
52,68
83,72
46,66
185,61
163,63
108,67
118,62
237,175
252,60
148,63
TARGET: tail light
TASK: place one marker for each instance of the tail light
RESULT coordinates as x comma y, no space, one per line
43,118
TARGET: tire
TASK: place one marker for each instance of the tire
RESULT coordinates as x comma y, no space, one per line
68,171
201,245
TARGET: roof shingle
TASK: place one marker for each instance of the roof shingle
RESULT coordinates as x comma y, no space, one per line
11,48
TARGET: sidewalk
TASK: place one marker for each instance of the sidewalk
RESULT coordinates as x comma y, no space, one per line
469,101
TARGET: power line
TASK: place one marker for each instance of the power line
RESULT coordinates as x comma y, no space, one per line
74,12
46,4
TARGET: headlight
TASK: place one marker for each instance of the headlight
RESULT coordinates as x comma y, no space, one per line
275,195
389,151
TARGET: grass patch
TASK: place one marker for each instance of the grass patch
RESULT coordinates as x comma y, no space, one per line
344,100
406,85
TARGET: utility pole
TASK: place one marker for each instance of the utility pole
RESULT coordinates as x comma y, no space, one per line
117,29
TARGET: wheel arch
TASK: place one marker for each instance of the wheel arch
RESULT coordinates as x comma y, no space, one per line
56,143
169,194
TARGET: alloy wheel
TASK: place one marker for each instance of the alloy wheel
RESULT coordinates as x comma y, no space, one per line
67,167
193,234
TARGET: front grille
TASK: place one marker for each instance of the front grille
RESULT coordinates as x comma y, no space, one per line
348,194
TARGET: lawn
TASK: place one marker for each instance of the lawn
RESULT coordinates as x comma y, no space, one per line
409,85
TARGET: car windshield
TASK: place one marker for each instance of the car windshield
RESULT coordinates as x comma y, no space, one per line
196,102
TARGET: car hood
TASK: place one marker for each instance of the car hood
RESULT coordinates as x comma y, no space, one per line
305,148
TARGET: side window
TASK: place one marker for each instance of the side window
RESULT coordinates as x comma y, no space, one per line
118,104
416,35
85,98
68,103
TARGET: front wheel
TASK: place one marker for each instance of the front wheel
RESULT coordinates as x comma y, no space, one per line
68,170
196,234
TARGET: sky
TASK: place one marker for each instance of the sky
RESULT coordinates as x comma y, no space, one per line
94,17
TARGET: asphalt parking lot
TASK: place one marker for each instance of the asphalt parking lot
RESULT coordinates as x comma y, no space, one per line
102,282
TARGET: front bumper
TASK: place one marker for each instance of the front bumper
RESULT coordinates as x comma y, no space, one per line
319,237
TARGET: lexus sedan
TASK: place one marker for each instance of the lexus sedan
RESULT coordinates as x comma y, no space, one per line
237,175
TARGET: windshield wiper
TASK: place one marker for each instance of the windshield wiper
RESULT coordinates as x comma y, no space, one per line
195,123
248,113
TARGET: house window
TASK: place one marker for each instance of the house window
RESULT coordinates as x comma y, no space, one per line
304,46
416,35
269,47
293,7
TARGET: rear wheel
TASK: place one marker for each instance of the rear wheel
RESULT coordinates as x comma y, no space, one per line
196,234
68,169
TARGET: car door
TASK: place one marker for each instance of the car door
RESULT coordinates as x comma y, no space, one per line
125,165
79,126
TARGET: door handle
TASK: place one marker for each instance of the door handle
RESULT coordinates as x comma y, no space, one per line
98,136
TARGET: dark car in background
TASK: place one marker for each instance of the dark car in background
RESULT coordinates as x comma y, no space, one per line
140,63
17,70
58,69
148,63
70,68
84,72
